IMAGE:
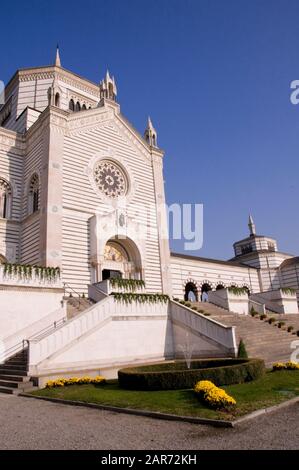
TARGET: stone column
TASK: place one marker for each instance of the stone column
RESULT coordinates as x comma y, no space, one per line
51,189
164,251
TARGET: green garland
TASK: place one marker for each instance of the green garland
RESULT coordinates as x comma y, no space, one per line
128,284
129,297
26,271
288,291
238,290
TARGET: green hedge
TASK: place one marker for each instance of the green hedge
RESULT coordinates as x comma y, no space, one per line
175,375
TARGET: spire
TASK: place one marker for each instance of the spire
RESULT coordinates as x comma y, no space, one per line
108,87
251,226
57,58
150,133
150,124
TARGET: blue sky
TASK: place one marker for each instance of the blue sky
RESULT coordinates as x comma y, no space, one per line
214,75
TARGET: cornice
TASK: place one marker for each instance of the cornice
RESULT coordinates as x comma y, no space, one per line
37,74
46,72
52,117
36,129
138,140
133,138
81,83
41,288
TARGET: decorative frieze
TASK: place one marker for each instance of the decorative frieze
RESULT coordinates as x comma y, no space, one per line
77,125
63,75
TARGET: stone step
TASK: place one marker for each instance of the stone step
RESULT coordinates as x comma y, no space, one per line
12,366
268,346
267,351
12,371
261,338
19,357
266,337
6,390
16,363
17,391
15,378
13,384
265,341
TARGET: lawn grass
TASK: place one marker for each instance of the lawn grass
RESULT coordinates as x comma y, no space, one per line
273,388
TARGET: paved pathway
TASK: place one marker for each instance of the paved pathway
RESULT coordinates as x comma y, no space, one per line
35,424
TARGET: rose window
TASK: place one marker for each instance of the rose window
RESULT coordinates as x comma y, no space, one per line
110,179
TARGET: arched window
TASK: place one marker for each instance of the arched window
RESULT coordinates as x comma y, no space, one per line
71,105
219,287
84,107
5,199
34,194
78,107
89,107
57,100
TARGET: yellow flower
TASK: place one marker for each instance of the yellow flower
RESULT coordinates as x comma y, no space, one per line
214,396
291,365
279,366
75,381
203,386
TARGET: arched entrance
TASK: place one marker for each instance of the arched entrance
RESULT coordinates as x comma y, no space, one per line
121,259
205,288
191,292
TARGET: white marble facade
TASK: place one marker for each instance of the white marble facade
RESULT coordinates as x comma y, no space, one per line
73,171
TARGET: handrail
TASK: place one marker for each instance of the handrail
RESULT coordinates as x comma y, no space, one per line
22,345
45,331
72,289
19,347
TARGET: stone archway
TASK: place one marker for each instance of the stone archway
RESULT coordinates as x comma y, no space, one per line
220,286
205,288
191,292
121,258
246,286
